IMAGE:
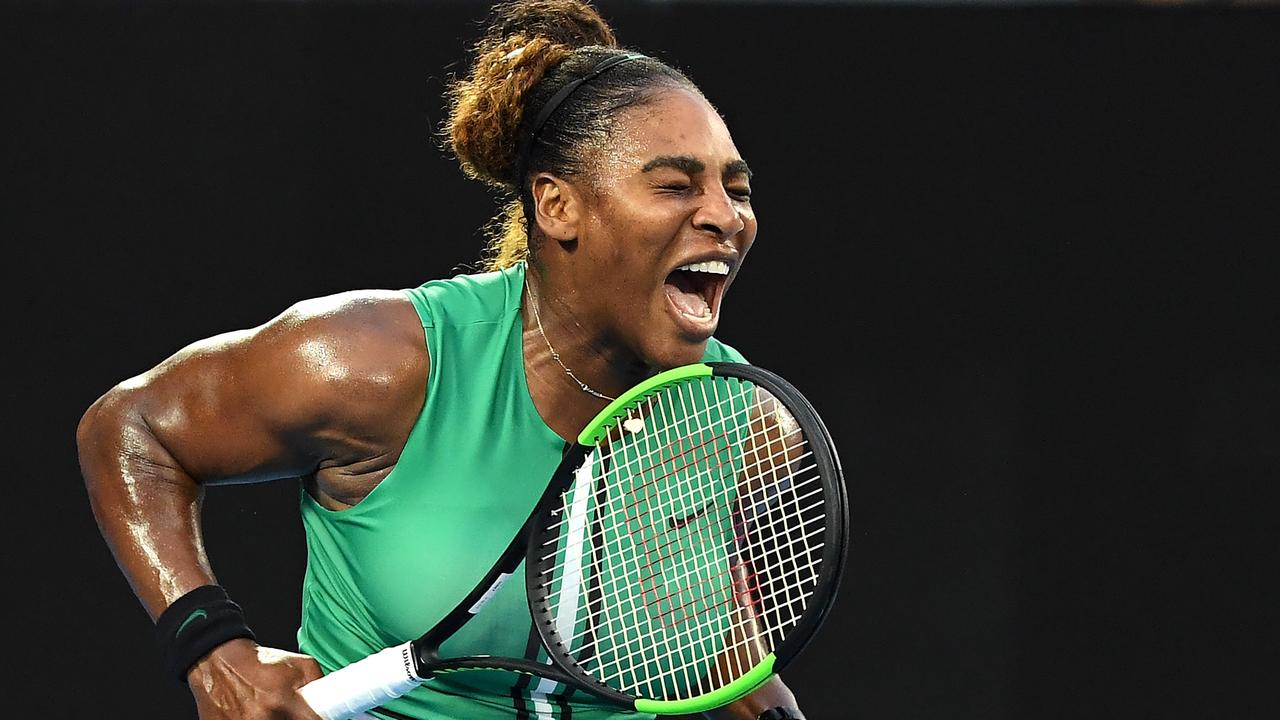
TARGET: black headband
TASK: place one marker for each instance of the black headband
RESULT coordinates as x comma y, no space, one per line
526,146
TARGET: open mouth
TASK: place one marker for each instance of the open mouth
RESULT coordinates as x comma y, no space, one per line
695,289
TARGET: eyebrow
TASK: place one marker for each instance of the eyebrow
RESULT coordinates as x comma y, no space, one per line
690,165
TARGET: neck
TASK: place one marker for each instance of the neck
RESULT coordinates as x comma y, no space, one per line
562,355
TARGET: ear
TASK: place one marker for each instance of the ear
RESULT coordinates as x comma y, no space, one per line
557,207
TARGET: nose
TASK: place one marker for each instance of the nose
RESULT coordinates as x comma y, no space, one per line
718,214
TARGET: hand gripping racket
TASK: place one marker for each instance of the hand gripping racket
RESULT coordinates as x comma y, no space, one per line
686,549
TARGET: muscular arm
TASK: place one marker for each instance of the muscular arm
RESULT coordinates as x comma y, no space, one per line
328,389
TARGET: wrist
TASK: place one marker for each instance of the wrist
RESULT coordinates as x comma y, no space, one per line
195,625
228,654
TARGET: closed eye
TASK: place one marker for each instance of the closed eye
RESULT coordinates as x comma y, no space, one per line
737,193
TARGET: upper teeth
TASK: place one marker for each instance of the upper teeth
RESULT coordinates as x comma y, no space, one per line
715,267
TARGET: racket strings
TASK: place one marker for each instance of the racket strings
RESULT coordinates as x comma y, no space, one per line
739,662
784,615
570,514
798,580
748,584
749,619
766,585
681,608
686,424
776,613
778,563
725,588
628,470
596,536
730,651
753,509
630,665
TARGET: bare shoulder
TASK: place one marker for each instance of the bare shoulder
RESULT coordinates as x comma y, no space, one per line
342,334
360,352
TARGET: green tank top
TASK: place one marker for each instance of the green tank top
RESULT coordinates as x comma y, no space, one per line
477,459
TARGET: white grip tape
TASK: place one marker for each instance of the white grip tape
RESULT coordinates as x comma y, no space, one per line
363,685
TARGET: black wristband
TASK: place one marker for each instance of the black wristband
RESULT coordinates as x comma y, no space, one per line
196,623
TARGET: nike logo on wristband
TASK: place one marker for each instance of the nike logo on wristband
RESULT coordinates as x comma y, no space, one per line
191,618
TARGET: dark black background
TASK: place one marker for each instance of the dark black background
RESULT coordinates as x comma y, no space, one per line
1023,260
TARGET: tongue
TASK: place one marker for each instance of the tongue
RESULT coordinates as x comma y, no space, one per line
685,298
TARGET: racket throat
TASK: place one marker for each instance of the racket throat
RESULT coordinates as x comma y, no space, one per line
426,662
432,665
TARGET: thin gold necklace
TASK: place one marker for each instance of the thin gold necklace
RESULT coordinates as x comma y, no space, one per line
555,355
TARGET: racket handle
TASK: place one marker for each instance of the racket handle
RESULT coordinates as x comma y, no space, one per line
362,685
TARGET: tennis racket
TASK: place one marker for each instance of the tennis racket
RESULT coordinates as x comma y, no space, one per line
685,550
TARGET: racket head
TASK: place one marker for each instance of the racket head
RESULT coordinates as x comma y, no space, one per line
695,540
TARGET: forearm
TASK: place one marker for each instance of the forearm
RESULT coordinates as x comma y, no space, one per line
147,507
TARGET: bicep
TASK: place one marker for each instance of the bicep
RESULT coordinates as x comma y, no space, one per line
315,383
222,409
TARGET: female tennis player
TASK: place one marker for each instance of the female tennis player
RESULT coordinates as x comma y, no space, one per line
425,423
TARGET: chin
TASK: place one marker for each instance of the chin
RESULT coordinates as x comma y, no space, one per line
677,353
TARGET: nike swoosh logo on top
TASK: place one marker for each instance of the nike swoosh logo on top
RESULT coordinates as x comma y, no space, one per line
190,618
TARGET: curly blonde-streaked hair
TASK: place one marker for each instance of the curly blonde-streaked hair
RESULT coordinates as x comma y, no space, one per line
533,48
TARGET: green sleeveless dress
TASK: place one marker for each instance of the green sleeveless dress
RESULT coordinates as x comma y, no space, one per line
477,459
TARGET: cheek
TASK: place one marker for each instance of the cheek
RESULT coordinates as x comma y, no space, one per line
636,231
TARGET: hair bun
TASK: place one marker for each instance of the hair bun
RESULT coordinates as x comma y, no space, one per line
570,23
524,40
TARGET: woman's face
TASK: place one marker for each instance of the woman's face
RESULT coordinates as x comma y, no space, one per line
667,222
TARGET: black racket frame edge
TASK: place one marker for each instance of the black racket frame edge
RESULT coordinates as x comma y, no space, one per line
427,660
835,537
